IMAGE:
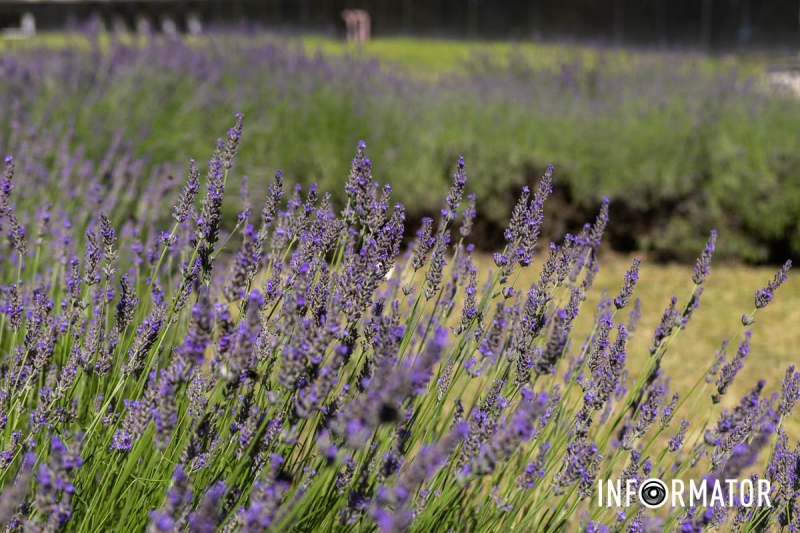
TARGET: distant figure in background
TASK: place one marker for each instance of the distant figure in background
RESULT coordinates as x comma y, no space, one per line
26,30
28,25
168,26
143,25
357,22
193,24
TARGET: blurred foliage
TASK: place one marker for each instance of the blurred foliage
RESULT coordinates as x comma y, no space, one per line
681,144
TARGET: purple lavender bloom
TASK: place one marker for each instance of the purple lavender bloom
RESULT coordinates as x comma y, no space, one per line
185,206
398,496
14,308
526,221
366,207
595,235
433,278
492,341
607,368
790,391
12,447
703,266
16,233
688,524
580,465
669,410
676,442
173,513
535,470
13,496
631,471
126,307
744,455
625,293
521,427
310,400
470,309
764,296
548,360
232,142
146,336
468,216
208,222
91,258
385,393
636,524
691,306
199,335
137,416
54,492
6,186
595,527
731,419
669,321
109,236
524,364
263,505
207,517
514,233
730,370
456,192
42,224
646,407
272,202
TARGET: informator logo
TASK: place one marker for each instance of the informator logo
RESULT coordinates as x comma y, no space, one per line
654,493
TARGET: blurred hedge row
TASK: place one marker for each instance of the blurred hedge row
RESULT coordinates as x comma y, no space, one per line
679,148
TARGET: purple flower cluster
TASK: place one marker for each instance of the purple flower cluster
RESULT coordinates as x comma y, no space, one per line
303,371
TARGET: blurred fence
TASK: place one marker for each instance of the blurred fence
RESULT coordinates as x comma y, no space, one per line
717,25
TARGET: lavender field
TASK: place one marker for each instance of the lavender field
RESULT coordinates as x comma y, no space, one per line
386,337
681,144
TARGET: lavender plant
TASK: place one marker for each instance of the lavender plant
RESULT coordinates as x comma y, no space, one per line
677,142
301,369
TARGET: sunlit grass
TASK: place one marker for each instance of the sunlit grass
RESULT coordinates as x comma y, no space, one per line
441,55
428,56
728,294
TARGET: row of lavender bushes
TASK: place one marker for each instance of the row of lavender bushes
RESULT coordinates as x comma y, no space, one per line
321,377
678,144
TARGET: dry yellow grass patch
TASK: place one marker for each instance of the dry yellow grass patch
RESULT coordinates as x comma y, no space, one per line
728,294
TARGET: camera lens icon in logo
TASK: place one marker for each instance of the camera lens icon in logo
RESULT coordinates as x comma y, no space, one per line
653,493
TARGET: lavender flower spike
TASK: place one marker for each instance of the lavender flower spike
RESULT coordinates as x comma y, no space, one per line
207,517
764,296
433,277
625,293
12,496
730,370
456,192
172,515
6,186
703,266
186,201
790,391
